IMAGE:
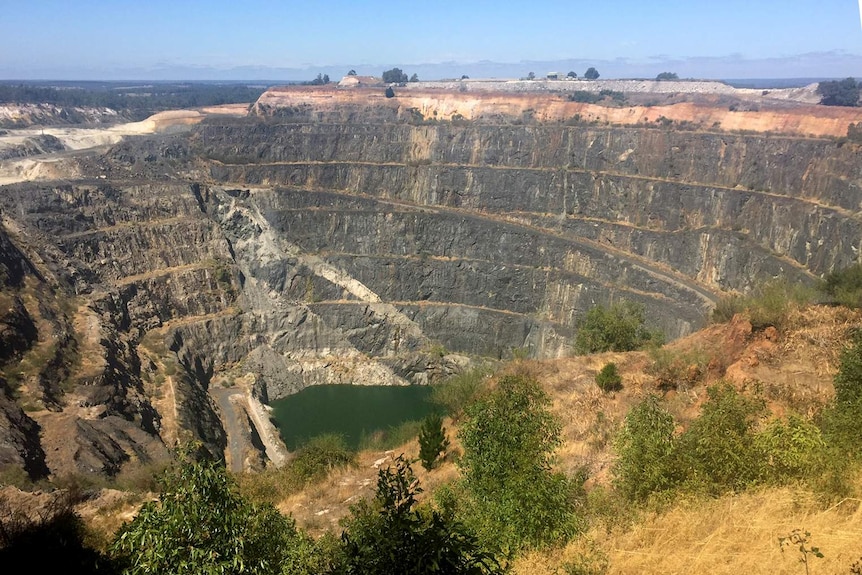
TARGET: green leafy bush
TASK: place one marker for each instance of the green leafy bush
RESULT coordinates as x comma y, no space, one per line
844,286
608,379
718,450
509,439
619,327
394,76
647,450
391,437
840,420
584,97
591,74
590,561
200,524
391,535
677,369
790,450
839,92
727,307
617,97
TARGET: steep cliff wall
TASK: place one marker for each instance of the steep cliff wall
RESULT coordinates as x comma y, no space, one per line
685,199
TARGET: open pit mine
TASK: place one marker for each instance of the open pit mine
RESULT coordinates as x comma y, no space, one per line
164,281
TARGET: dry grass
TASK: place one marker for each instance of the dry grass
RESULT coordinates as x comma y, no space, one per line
739,534
733,535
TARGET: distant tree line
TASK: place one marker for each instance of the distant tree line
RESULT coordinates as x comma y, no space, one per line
321,80
138,101
590,74
398,76
839,92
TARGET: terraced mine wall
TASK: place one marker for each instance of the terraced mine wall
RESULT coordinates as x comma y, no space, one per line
183,277
724,210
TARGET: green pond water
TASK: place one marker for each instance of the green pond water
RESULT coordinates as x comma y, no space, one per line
354,411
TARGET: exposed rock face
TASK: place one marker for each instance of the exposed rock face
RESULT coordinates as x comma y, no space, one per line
32,146
335,241
23,115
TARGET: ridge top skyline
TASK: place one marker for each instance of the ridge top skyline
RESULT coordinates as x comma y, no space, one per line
219,40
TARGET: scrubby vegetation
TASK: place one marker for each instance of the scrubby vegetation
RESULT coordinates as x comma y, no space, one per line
313,461
677,370
201,524
586,97
456,393
508,498
844,286
619,327
733,445
768,305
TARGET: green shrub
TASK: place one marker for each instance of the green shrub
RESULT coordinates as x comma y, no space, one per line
646,449
319,456
775,300
676,369
617,97
848,380
718,450
456,393
722,450
619,327
391,437
840,421
769,304
200,524
584,97
844,286
839,92
727,307
790,450
509,439
608,379
432,440
591,561
391,535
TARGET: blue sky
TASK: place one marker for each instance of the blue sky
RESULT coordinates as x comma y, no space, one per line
106,40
